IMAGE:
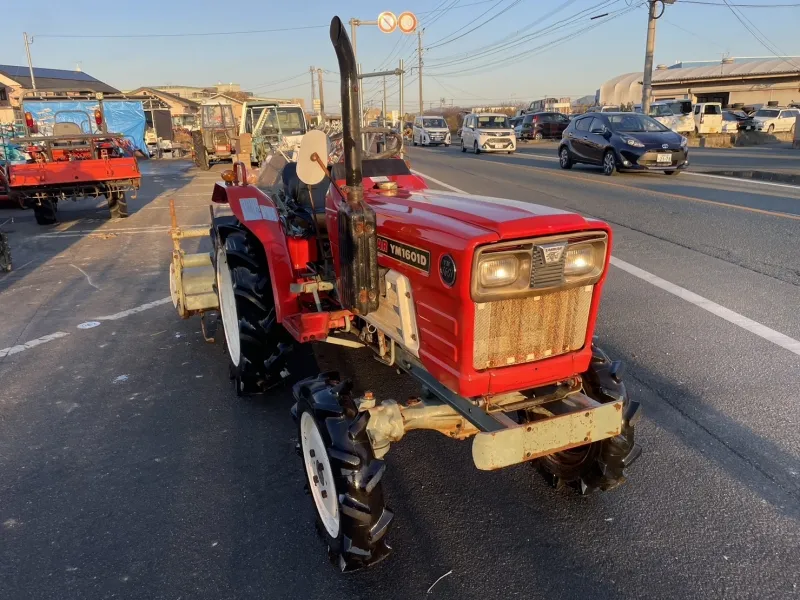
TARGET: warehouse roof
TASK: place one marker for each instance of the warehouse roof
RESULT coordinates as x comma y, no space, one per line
55,79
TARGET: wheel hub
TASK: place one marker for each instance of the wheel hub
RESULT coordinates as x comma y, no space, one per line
320,474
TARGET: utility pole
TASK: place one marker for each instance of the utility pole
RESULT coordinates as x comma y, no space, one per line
384,101
647,76
313,72
402,85
419,67
321,96
30,63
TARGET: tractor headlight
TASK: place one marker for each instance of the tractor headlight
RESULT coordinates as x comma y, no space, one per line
580,260
496,271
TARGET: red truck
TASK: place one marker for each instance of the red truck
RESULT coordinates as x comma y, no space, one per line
71,164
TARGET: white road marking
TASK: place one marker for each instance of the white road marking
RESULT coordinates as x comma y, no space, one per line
743,180
132,311
762,331
533,156
31,344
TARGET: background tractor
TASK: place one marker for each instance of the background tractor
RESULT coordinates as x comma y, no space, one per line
216,139
489,304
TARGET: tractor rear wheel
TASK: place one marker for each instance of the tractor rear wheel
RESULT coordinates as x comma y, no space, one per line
599,466
117,204
343,475
45,211
257,345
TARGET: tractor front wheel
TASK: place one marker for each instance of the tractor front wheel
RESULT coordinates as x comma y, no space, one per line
45,211
343,475
598,466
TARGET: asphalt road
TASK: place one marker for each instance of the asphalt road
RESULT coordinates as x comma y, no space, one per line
779,157
129,469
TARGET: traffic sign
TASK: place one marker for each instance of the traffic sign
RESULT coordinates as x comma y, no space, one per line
407,22
387,22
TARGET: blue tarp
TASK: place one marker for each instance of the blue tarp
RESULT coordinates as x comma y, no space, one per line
125,117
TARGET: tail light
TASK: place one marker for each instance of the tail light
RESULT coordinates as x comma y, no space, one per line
30,123
98,117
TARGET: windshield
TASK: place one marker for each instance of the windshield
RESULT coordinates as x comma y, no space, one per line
770,114
661,110
493,122
434,123
681,107
290,120
635,123
217,115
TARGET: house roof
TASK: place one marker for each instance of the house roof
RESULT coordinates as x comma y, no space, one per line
55,79
776,66
215,96
163,94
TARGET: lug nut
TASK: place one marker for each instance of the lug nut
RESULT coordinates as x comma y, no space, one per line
324,494
311,453
316,480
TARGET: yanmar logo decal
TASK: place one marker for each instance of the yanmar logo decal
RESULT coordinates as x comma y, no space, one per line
409,255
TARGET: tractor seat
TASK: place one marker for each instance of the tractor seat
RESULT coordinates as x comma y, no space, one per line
312,197
68,129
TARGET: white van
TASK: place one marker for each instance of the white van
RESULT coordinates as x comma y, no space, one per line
487,132
708,117
430,131
281,124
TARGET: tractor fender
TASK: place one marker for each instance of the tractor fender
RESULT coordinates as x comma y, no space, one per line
256,211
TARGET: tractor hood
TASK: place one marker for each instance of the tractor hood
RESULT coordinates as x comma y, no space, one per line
475,218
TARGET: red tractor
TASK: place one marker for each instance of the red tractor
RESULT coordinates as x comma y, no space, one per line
489,304
71,163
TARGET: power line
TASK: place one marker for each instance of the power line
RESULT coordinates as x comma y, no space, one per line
444,41
172,35
764,42
724,4
475,69
271,83
545,31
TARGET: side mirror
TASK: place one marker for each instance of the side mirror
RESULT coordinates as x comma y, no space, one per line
313,146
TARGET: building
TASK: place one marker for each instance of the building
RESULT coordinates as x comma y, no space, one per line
186,91
747,81
183,110
562,105
15,80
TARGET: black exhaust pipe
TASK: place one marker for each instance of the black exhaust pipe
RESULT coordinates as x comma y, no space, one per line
358,236
351,120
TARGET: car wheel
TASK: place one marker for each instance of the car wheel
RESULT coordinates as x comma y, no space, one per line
564,158
770,129
476,149
538,136
463,147
447,145
609,163
414,142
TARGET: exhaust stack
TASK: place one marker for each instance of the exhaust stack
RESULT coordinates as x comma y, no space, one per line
358,237
351,119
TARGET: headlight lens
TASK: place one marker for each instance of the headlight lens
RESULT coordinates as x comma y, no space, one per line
580,260
684,141
496,271
633,142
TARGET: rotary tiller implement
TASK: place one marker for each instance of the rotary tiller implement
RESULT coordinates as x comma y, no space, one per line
490,304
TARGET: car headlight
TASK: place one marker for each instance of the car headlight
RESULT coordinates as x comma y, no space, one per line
633,142
495,271
684,141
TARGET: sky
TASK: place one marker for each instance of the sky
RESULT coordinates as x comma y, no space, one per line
565,53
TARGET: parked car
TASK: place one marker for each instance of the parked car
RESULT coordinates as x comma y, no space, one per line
684,115
515,123
708,117
430,131
775,119
661,112
537,126
623,142
732,120
487,132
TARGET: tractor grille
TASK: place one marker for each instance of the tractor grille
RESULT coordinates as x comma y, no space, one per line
544,275
521,330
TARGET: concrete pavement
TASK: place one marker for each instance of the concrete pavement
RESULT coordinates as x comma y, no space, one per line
131,470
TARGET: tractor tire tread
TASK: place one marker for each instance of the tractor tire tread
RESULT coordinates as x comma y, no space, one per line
364,518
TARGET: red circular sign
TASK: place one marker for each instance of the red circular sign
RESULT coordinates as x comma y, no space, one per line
407,22
387,22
